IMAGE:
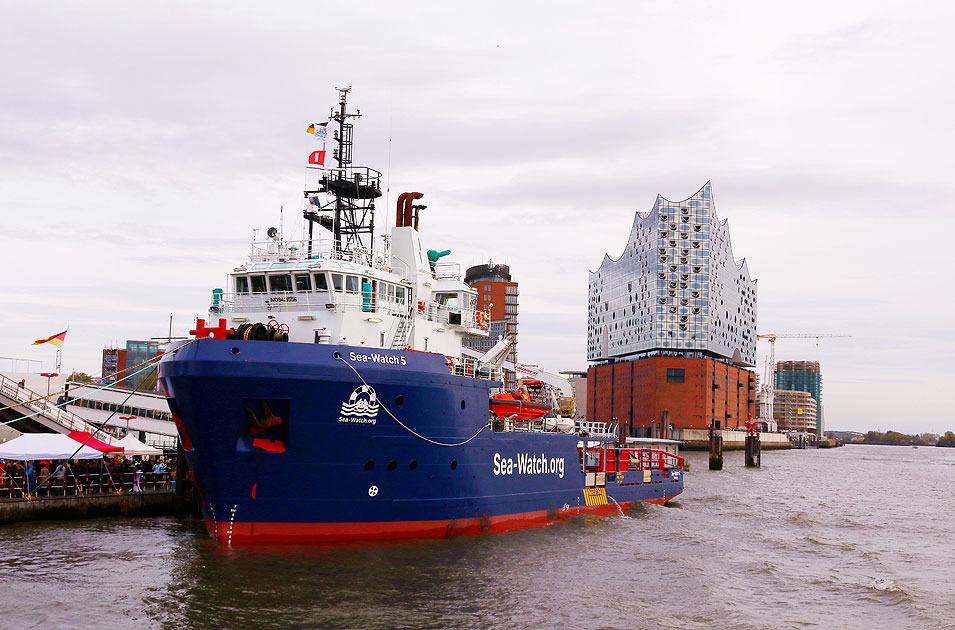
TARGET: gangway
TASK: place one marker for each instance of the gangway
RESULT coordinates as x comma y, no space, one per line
23,401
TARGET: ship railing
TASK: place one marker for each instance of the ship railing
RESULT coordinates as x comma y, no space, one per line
467,366
654,459
78,484
296,301
322,249
447,271
34,402
513,425
452,316
595,429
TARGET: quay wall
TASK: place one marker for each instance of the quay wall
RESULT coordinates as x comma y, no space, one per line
87,506
733,440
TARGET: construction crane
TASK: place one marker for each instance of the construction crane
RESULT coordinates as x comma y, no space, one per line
767,395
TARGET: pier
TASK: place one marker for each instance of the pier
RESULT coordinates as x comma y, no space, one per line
733,439
151,503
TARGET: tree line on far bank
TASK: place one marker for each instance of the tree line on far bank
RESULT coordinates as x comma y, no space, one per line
894,438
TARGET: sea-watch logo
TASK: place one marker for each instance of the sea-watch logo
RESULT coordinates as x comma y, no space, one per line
361,407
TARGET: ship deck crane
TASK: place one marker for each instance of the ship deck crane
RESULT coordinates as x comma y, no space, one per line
496,357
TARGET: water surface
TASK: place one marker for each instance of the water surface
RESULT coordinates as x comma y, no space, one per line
857,537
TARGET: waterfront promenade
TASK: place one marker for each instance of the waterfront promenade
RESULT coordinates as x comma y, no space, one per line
83,495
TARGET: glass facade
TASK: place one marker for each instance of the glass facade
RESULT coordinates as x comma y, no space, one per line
138,352
676,287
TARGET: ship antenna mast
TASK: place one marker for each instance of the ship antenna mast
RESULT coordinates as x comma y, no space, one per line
352,220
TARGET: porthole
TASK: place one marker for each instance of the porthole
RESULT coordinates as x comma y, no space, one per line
399,400
454,464
392,465
369,464
462,404
413,464
235,351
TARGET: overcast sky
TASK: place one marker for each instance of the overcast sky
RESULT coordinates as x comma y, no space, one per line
140,145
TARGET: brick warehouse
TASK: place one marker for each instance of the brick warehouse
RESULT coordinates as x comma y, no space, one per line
694,392
671,325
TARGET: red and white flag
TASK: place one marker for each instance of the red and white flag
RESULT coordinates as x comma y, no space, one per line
317,157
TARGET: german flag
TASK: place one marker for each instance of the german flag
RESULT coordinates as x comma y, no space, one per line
57,340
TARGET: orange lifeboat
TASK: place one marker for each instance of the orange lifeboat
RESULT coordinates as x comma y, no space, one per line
517,404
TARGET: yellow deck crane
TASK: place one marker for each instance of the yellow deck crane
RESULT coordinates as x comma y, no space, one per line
766,402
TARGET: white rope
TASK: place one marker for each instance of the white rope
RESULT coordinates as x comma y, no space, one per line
403,425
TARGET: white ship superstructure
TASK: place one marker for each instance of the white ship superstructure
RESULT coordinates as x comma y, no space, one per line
387,299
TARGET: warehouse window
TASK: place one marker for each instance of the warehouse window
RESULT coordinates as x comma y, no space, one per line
675,375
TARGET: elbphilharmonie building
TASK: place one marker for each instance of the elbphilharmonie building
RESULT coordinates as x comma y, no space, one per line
676,286
671,326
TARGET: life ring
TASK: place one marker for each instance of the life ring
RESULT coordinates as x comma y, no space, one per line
420,306
451,364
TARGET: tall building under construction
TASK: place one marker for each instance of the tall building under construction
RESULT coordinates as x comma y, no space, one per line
671,325
800,376
795,411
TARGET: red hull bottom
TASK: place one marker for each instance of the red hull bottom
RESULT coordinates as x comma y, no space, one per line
245,532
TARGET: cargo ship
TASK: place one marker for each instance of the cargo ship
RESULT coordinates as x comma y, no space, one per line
328,398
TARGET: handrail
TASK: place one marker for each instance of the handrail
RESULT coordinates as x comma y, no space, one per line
297,251
83,484
39,403
655,459
294,301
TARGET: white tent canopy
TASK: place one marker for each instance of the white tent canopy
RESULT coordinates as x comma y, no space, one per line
132,446
46,446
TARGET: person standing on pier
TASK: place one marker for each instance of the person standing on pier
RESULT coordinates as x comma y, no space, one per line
29,478
59,480
137,477
80,472
41,478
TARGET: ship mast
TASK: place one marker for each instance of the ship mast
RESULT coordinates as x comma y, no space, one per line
350,215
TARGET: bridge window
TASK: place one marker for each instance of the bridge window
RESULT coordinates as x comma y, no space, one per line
400,295
302,282
352,284
321,282
338,281
447,299
258,284
241,284
280,284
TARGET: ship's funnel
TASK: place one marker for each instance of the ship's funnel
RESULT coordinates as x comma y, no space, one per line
409,210
400,217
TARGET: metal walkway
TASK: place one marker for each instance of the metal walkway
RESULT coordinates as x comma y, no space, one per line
48,417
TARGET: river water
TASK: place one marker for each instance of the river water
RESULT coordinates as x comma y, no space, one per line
856,537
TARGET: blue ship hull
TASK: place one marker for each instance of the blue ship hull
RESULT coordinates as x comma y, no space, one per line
288,444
